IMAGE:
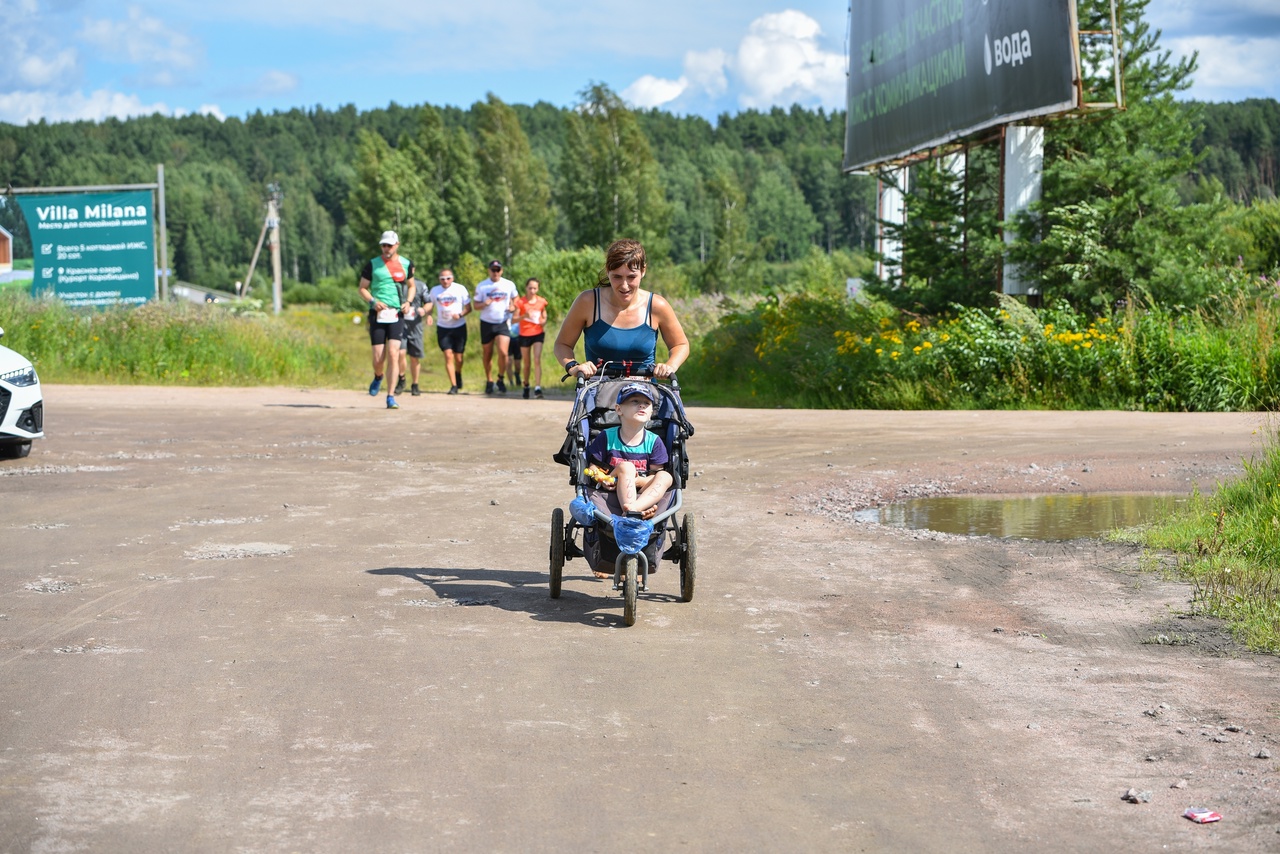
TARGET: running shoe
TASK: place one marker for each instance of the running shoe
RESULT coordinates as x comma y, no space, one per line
415,391
488,387
400,386
374,386
391,403
453,389
537,392
502,387
526,392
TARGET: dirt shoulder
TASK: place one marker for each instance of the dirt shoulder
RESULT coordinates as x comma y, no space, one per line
275,619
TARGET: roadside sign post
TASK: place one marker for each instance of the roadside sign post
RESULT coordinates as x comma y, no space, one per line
96,246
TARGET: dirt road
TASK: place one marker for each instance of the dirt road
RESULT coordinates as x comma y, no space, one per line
282,620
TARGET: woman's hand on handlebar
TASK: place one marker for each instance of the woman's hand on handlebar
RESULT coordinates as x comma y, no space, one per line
586,370
663,370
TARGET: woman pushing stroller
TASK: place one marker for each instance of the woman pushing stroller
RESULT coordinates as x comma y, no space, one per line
620,322
626,444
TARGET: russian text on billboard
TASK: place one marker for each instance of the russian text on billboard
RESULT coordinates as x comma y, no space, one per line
925,72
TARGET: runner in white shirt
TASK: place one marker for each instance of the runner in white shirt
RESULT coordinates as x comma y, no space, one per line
451,303
494,296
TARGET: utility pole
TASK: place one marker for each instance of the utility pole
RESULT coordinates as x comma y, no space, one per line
273,222
271,225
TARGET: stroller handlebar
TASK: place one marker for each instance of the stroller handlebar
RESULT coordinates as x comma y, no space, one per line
619,369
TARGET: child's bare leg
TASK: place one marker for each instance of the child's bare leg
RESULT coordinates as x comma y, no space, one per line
625,472
652,493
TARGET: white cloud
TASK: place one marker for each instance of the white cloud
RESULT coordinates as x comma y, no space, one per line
780,61
650,91
205,110
30,58
1231,68
41,70
142,40
28,106
706,70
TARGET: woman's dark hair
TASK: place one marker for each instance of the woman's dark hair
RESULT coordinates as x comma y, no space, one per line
628,253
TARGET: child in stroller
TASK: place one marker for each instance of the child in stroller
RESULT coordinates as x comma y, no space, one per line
629,459
625,536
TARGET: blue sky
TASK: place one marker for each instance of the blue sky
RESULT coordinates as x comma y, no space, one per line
90,59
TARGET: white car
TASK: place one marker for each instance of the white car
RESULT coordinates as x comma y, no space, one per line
21,404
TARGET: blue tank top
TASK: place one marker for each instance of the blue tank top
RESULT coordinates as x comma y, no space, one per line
639,344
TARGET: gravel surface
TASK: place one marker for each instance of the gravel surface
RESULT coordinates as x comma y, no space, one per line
282,620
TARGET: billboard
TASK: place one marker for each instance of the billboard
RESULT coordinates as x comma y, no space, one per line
925,72
93,248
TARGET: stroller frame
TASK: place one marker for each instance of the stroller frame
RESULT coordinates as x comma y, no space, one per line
630,571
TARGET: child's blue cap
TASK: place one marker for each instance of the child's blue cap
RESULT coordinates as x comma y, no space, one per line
632,389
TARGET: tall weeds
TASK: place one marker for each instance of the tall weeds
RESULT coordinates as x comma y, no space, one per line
158,343
826,351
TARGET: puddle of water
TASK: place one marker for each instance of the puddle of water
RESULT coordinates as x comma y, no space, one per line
1044,517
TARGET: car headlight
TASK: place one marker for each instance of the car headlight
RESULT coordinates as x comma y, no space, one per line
21,377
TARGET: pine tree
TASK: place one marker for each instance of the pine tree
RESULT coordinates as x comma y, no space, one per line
1111,221
610,185
390,194
445,160
516,184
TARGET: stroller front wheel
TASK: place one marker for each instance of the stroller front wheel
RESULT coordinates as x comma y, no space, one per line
557,551
630,585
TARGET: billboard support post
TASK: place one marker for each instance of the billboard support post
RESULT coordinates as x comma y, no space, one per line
163,236
1023,156
891,210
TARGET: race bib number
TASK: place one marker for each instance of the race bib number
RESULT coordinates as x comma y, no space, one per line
387,315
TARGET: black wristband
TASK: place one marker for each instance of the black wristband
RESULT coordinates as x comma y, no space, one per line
570,365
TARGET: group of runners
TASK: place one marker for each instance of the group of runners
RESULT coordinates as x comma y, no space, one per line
511,324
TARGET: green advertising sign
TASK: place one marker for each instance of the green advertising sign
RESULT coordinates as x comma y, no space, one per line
93,248
925,72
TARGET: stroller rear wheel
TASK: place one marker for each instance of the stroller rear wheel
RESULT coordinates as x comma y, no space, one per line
630,584
688,557
557,551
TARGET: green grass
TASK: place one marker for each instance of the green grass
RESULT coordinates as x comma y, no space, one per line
1228,546
189,344
177,344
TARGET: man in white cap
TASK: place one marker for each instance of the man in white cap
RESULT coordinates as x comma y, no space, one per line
380,285
493,297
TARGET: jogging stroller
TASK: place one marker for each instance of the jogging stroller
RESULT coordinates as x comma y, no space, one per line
596,528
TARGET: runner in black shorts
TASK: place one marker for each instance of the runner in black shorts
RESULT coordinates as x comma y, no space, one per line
493,298
452,339
513,355
381,333
490,331
451,304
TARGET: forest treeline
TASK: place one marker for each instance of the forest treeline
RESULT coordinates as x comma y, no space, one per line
492,180
724,203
